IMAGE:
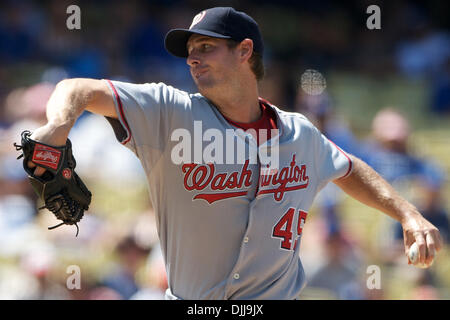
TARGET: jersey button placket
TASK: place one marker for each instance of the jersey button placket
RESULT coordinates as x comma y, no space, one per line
234,278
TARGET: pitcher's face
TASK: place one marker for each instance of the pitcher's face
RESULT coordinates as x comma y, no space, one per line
212,63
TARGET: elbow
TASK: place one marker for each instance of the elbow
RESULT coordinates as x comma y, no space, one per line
77,90
70,85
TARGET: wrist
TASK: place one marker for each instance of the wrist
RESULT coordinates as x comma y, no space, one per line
60,132
409,213
59,127
52,134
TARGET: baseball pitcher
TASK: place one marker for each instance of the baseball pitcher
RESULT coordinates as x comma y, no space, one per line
231,176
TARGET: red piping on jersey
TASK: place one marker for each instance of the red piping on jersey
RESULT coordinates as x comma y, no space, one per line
122,114
348,158
213,197
285,189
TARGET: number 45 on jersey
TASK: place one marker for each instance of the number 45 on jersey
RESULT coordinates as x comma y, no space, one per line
283,228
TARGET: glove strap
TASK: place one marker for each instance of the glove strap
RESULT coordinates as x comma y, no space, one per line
62,223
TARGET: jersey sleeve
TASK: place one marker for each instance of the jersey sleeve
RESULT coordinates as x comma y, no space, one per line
144,113
331,161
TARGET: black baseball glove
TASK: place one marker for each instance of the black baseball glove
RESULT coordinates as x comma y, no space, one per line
59,187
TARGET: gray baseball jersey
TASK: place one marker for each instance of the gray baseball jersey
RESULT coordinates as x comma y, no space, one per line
229,228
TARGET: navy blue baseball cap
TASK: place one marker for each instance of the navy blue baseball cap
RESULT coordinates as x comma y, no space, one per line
219,22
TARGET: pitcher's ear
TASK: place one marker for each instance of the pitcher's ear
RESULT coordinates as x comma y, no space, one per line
246,49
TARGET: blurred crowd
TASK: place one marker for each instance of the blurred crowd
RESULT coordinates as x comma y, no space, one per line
420,180
117,250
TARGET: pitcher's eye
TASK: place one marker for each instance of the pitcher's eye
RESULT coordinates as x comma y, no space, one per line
205,46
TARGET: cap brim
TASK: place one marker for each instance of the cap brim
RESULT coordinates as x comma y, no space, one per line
176,40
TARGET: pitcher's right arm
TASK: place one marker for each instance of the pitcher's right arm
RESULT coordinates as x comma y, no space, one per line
67,102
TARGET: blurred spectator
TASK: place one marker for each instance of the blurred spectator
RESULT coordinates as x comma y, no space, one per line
24,109
426,286
104,293
156,277
40,261
418,179
339,273
18,24
426,50
122,278
440,91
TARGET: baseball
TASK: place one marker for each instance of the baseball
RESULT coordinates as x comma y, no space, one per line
413,256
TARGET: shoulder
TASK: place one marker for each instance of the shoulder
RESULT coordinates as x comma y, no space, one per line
176,93
293,119
286,115
165,90
292,116
168,94
148,88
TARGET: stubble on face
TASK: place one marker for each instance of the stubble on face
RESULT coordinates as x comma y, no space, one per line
211,63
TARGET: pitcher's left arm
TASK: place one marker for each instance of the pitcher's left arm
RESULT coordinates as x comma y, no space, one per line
367,186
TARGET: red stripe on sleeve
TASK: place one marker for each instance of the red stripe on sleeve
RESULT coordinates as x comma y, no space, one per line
350,163
121,113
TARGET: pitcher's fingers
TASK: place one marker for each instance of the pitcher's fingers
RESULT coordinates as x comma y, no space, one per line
39,171
438,241
431,249
421,244
408,240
